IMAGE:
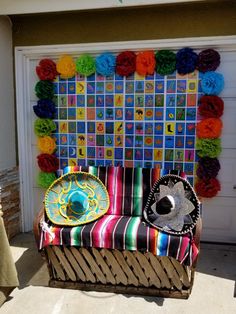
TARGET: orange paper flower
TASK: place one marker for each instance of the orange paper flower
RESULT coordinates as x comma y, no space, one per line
209,128
46,144
66,67
145,63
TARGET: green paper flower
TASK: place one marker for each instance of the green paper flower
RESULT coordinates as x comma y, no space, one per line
208,147
43,127
85,65
45,179
44,90
165,62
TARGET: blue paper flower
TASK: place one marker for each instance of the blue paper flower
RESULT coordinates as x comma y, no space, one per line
45,108
212,83
105,64
186,61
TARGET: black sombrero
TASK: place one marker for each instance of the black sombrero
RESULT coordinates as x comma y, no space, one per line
172,205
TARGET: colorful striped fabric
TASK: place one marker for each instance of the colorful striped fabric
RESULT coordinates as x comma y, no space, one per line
128,188
122,233
123,227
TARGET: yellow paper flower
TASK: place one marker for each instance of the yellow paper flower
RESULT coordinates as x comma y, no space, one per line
46,144
66,67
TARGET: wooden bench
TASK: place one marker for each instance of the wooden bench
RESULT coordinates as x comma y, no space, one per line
82,263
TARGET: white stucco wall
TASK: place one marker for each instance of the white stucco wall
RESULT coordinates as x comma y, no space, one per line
7,115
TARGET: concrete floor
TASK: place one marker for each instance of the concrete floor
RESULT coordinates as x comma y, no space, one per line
214,290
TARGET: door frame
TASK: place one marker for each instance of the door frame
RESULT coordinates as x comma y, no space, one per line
25,54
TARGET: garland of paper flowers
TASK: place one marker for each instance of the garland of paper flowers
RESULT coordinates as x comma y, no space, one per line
208,129
44,125
164,62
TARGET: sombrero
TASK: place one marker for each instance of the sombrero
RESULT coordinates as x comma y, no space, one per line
172,205
76,198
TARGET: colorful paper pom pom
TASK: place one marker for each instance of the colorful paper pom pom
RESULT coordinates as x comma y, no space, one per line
165,62
45,108
44,90
48,163
211,107
207,188
208,168
145,63
208,147
66,67
208,60
45,179
44,127
105,64
212,83
209,128
186,61
46,70
126,63
46,144
85,65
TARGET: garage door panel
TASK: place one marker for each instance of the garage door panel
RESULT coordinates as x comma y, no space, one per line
219,220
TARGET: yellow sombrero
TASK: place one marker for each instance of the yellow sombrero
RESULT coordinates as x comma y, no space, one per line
76,198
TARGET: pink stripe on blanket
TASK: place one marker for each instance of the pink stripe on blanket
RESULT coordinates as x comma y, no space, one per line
111,187
184,248
97,231
107,236
119,192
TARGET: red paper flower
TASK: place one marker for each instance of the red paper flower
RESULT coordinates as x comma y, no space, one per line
209,128
126,63
145,63
211,107
207,187
46,70
48,163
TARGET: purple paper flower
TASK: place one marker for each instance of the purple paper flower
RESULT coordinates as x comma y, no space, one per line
208,60
208,167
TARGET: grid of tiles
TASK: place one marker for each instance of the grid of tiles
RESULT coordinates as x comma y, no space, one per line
135,121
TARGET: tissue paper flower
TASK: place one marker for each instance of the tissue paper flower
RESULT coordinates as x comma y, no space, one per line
126,63
208,60
44,127
44,90
186,61
46,144
145,63
85,65
165,62
66,67
46,70
211,107
45,108
105,64
212,83
209,128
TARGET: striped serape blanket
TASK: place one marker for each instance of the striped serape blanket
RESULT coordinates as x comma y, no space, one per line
123,227
122,233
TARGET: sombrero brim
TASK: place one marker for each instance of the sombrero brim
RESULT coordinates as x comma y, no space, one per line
166,222
57,198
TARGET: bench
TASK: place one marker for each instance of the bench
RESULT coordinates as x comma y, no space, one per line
120,252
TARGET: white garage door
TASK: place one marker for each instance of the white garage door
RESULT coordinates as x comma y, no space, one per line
219,213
